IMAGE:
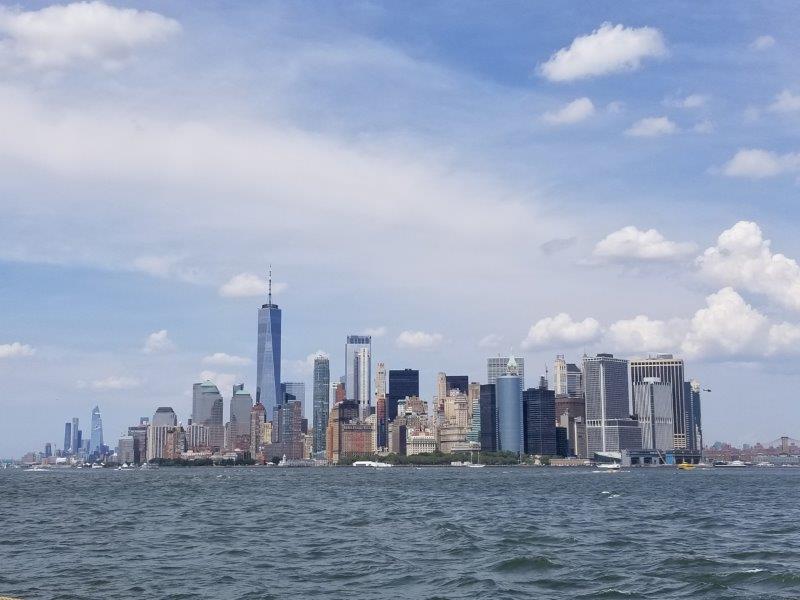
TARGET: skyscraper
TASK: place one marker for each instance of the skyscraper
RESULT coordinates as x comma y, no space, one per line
539,418
258,417
321,400
652,404
207,408
96,435
268,362
691,395
402,383
380,381
241,403
568,378
358,373
668,370
75,444
164,420
457,382
488,416
509,409
67,437
498,365
609,427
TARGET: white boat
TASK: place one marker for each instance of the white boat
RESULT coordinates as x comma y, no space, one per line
371,463
97,466
475,465
609,466
730,465
765,464
38,469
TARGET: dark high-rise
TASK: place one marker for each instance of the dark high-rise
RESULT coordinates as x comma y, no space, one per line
67,437
402,383
539,420
321,400
457,382
489,427
694,429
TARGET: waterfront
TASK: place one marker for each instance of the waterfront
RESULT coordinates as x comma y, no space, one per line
253,533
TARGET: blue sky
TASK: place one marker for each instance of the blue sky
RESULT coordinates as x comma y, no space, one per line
460,178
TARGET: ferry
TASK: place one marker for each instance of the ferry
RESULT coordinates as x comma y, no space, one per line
609,466
371,463
728,465
686,466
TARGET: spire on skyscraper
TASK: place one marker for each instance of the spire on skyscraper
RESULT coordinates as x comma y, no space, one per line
269,279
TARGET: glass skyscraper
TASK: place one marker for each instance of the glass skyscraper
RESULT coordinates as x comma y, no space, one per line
358,371
268,363
402,383
96,436
509,412
321,400
668,370
498,365
609,427
207,410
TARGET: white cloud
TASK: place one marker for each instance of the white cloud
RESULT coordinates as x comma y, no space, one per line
642,334
16,350
112,383
786,102
303,367
376,332
690,101
491,340
226,360
418,339
609,49
61,36
223,381
166,267
652,127
246,285
573,112
158,341
783,337
630,243
704,126
743,258
561,331
762,42
755,163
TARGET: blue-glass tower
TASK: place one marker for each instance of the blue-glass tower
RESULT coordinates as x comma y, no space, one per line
96,438
268,364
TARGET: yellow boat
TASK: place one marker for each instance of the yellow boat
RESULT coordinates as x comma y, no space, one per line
686,466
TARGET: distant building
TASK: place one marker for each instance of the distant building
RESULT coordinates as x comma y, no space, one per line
125,453
474,433
268,361
164,416
240,405
652,404
96,435
457,382
67,437
380,381
358,371
488,414
509,409
420,442
498,365
694,430
138,434
669,370
562,444
381,423
207,408
456,409
75,442
287,432
321,400
609,427
48,450
539,417
295,390
402,384
571,415
197,437
357,439
341,414
258,415
568,378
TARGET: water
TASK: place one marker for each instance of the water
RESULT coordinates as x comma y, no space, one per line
249,533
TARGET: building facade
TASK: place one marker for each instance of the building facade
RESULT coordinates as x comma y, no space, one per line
667,369
207,409
509,413
321,400
539,418
498,365
609,427
268,355
403,383
652,404
488,415
358,371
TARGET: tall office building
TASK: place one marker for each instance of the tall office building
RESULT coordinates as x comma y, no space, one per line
75,443
296,390
609,427
96,435
498,365
668,370
568,378
268,361
158,444
258,416
67,437
457,382
509,409
694,430
652,404
539,419
403,383
240,405
380,380
358,373
207,408
164,417
488,409
286,432
321,399
138,433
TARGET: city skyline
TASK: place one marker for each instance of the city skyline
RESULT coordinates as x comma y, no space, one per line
453,186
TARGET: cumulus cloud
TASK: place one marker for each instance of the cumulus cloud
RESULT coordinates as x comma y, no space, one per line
61,36
226,360
690,101
652,127
762,42
786,102
246,285
561,331
16,350
111,383
743,258
158,341
633,244
573,112
754,163
418,340
491,340
642,334
608,49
